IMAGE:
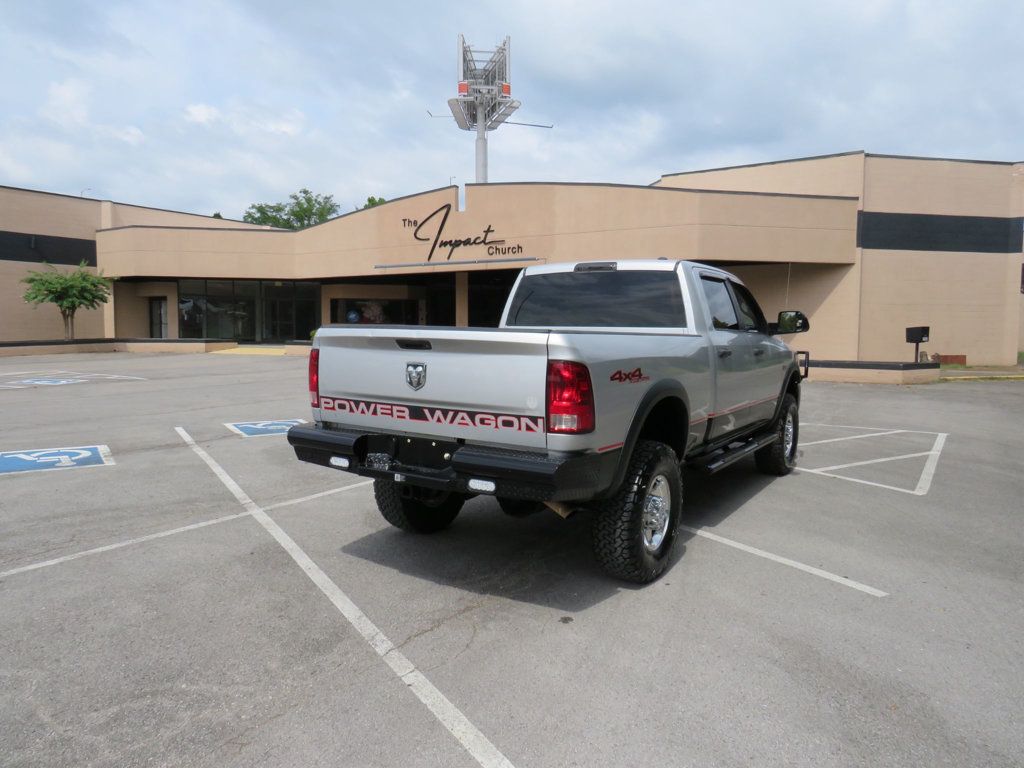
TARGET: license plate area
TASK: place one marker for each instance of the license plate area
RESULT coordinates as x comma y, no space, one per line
421,452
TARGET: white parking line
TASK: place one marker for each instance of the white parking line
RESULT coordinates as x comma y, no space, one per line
834,467
841,426
929,466
320,495
118,545
467,734
851,437
786,561
924,482
171,532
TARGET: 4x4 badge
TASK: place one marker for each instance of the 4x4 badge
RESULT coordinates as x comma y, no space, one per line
416,375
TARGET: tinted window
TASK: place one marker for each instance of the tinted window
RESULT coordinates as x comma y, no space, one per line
626,299
751,316
723,314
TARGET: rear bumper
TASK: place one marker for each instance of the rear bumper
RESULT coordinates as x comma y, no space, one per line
450,466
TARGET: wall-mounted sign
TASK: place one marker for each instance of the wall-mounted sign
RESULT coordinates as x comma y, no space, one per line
432,230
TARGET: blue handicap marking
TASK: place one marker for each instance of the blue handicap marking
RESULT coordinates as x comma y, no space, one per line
261,428
54,458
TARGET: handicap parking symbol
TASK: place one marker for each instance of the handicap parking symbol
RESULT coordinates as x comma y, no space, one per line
41,459
263,428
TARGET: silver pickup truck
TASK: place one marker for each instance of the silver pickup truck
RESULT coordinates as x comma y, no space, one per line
602,383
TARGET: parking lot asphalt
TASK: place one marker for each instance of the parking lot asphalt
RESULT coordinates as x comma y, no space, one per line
866,610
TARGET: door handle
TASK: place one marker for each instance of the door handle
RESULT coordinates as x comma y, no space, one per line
758,352
724,353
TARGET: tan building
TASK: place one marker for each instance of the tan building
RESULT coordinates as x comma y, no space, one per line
865,244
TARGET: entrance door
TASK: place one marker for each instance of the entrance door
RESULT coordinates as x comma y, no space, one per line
158,317
278,319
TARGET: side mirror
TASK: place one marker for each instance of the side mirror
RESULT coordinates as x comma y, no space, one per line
790,321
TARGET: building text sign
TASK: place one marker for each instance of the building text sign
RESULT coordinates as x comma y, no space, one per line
432,230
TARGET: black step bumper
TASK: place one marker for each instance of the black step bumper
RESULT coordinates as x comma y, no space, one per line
441,465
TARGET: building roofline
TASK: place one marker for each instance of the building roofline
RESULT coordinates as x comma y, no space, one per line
766,162
277,229
379,205
943,159
659,189
838,154
273,228
257,228
117,202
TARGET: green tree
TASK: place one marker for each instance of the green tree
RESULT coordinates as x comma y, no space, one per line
303,209
216,215
70,291
372,201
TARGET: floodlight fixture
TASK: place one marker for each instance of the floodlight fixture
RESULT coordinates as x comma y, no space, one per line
484,98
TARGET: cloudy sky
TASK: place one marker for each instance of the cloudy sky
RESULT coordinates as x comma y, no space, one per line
205,106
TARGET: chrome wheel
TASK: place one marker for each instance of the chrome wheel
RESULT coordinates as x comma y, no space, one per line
789,436
656,513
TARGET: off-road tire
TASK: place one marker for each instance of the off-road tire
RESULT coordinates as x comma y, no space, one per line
617,534
419,514
774,459
519,507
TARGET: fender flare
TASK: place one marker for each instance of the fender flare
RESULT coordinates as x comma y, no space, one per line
656,393
793,372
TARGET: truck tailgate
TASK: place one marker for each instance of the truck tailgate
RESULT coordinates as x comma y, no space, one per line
483,386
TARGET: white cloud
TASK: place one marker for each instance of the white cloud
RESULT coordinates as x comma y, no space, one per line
203,114
66,104
148,102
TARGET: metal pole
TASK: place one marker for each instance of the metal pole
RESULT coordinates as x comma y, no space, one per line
481,145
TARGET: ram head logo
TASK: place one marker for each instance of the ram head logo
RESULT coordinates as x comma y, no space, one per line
416,375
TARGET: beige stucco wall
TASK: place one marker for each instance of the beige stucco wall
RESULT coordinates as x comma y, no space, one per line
1020,338
146,252
861,376
131,318
944,187
835,175
123,215
969,300
20,321
131,308
829,295
45,213
550,222
41,213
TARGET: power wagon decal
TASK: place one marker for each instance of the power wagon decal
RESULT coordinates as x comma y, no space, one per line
445,416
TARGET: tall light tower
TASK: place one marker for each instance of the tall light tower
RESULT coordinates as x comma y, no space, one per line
485,96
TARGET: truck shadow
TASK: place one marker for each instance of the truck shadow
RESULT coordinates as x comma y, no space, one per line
542,559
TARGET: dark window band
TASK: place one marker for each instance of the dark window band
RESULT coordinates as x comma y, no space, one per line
20,246
929,232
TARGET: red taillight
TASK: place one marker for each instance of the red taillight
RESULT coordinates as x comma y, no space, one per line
570,398
314,378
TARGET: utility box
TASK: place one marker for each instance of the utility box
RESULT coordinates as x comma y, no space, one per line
918,334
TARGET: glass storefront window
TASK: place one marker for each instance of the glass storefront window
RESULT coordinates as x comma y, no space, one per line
375,311
248,310
247,288
218,288
278,289
191,316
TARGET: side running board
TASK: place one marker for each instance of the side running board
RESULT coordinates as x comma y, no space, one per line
723,457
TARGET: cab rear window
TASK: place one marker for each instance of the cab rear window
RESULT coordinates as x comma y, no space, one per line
613,299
